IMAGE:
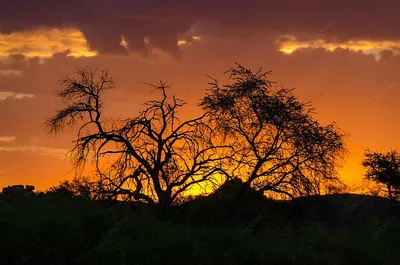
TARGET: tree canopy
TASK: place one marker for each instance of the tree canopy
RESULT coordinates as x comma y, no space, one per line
278,144
383,168
153,157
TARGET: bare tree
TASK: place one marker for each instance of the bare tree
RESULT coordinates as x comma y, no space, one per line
278,145
384,170
153,157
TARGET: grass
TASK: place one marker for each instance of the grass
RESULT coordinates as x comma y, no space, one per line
75,231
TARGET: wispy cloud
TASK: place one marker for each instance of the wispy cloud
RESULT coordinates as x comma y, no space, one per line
40,150
290,44
7,139
7,94
183,43
45,42
10,72
189,37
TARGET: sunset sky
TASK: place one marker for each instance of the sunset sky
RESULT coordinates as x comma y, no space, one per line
342,56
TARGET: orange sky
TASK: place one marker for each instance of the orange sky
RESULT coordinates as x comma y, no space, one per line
350,76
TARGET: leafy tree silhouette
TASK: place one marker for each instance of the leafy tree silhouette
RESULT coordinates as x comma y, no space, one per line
76,188
153,157
384,169
61,191
278,144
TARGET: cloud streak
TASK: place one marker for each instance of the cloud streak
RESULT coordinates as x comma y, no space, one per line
7,94
44,151
7,139
10,72
290,44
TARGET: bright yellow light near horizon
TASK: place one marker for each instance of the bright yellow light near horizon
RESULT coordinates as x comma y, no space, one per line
45,42
290,44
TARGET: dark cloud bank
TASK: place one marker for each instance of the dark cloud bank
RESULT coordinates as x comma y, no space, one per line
103,22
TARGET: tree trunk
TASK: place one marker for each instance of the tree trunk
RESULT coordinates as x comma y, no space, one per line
164,204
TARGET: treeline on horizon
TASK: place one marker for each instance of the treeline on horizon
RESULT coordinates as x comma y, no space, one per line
250,129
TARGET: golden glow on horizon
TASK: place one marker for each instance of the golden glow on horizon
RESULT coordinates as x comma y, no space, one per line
290,44
45,42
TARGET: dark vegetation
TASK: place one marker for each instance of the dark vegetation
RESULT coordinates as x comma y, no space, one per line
64,228
281,201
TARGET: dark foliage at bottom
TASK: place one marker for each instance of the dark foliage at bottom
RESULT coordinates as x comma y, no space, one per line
336,229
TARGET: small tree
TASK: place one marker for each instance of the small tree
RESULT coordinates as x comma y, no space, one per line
76,188
153,157
278,145
384,169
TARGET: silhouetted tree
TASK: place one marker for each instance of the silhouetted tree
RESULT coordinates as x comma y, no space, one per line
61,191
153,157
278,144
384,169
76,188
